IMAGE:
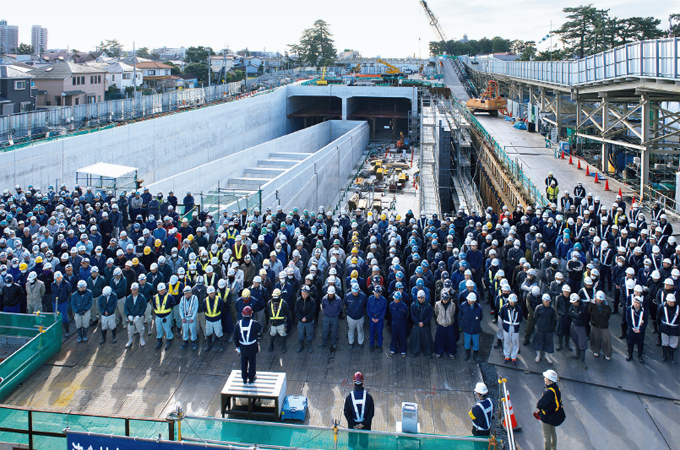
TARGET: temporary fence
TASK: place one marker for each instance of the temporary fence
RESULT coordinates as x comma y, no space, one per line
45,429
222,198
42,336
512,168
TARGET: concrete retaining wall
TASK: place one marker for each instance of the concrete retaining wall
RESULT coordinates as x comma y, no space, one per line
158,147
206,177
318,179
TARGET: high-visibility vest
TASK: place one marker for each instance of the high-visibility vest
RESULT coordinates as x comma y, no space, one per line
232,233
277,315
174,290
213,311
162,308
211,281
238,251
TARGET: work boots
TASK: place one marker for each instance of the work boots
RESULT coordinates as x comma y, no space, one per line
664,358
208,344
583,360
184,345
671,354
84,334
167,343
80,335
566,343
559,343
159,342
283,345
301,345
475,355
272,339
467,354
577,354
103,337
309,346
65,330
220,343
113,333
498,343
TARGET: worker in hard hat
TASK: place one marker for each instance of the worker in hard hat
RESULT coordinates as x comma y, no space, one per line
278,313
550,409
471,323
359,410
245,339
511,317
482,411
81,302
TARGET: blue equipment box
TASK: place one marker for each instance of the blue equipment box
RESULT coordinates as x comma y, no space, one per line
294,407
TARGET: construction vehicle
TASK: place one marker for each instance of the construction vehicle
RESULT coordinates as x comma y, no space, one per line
489,101
322,81
391,70
400,142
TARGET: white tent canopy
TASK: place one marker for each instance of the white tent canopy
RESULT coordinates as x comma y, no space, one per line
104,176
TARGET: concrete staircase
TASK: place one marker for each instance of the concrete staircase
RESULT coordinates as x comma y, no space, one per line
266,170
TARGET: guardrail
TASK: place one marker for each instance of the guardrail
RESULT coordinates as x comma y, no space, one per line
658,58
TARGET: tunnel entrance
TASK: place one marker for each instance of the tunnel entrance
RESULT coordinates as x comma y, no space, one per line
382,114
306,111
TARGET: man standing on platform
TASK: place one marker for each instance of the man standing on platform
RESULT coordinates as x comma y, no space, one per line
359,410
245,339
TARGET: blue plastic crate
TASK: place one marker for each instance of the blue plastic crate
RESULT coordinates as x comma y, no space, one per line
294,407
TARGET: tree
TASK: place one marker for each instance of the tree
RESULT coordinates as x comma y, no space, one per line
143,53
578,32
198,54
112,47
316,46
174,69
674,22
527,51
500,45
638,29
198,69
24,49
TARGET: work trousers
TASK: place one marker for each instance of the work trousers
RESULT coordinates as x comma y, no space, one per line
83,320
63,310
375,332
279,330
510,344
358,326
421,339
120,312
147,315
248,362
94,310
444,340
549,436
34,308
398,341
330,331
213,327
636,339
109,322
201,323
136,326
164,324
189,330
578,335
669,341
531,324
601,340
227,323
305,331
175,318
472,340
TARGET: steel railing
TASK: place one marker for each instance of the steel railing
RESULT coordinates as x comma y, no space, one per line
658,58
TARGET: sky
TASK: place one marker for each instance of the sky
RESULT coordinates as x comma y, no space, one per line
394,28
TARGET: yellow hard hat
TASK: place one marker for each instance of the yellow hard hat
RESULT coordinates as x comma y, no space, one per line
355,260
383,217
398,217
263,272
276,293
135,261
147,250
355,250
23,266
190,237
355,274
245,293
38,259
158,242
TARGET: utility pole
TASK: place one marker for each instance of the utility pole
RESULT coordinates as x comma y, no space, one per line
134,71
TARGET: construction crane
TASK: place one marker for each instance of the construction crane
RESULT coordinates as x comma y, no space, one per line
457,65
322,81
391,70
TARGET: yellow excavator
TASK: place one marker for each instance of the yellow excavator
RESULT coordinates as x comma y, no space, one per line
322,81
391,70
490,101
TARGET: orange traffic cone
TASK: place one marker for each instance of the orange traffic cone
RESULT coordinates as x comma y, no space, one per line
579,164
587,171
606,184
620,195
562,154
597,180
513,420
570,161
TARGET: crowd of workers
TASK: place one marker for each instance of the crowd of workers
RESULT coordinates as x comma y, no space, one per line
137,262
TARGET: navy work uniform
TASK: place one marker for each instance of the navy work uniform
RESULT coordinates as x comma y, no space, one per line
245,338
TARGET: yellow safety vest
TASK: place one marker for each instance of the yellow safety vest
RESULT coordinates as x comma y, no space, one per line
162,308
231,234
277,315
212,312
238,250
557,402
211,282
174,290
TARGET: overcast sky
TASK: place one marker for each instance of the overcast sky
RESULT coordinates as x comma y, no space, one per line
394,28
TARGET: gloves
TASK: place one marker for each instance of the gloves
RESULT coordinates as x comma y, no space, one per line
238,350
130,318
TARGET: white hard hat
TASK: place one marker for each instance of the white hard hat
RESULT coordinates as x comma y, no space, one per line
481,388
472,297
551,375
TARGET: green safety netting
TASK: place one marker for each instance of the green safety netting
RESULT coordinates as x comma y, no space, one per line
43,335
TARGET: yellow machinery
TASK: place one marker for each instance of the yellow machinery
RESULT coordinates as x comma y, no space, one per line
322,81
391,70
357,68
489,101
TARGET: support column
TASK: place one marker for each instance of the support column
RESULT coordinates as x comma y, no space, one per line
344,109
558,114
645,131
605,125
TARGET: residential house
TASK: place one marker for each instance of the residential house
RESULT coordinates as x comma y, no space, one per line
69,84
120,75
154,73
17,93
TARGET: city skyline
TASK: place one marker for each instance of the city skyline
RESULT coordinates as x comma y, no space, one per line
395,29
